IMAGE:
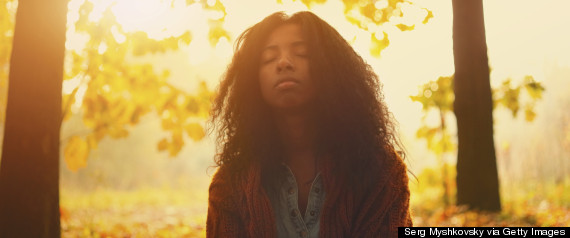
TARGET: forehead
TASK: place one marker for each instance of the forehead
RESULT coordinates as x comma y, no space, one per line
285,34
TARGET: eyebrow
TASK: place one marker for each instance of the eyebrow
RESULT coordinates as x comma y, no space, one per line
294,44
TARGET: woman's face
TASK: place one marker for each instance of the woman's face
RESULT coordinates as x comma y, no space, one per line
284,76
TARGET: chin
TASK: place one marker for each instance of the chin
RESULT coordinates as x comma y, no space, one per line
290,103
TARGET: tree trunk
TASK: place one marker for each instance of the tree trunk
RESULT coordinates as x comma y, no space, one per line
29,171
477,178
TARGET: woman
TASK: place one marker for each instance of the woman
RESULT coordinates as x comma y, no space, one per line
307,147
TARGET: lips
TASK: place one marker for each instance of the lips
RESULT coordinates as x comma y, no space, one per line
286,83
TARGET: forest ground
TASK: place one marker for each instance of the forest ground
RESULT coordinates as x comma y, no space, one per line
167,212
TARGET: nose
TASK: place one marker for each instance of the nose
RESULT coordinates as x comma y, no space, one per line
285,64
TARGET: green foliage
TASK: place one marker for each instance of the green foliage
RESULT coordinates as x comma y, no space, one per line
437,96
438,141
508,96
429,187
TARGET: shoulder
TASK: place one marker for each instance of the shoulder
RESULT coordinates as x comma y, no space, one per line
221,179
397,169
227,177
225,208
224,189
391,168
392,177
398,190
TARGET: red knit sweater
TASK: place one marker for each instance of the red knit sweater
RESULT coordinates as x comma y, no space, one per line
239,207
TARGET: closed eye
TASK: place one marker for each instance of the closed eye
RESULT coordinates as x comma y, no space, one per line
300,50
269,54
267,61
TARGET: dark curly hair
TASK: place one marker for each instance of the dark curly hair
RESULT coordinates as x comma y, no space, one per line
355,128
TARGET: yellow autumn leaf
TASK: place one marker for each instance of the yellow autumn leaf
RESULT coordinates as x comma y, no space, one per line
163,144
378,44
75,153
195,131
404,27
99,132
534,88
177,143
118,132
216,32
92,141
67,101
167,122
429,16
529,113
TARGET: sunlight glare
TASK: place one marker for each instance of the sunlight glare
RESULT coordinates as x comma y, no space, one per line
290,7
412,14
69,85
433,86
418,106
99,6
379,35
76,107
75,41
223,49
199,51
102,48
427,93
381,4
119,37
135,14
330,12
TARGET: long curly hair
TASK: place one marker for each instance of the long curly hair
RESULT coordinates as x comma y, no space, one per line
355,128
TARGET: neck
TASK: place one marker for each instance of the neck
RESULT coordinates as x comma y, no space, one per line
298,136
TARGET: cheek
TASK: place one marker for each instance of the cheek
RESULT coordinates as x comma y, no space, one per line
263,75
264,81
311,84
304,69
305,72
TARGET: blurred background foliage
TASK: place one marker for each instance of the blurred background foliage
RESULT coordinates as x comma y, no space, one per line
439,96
132,99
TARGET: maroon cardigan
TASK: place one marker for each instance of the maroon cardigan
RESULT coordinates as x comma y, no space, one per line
239,207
